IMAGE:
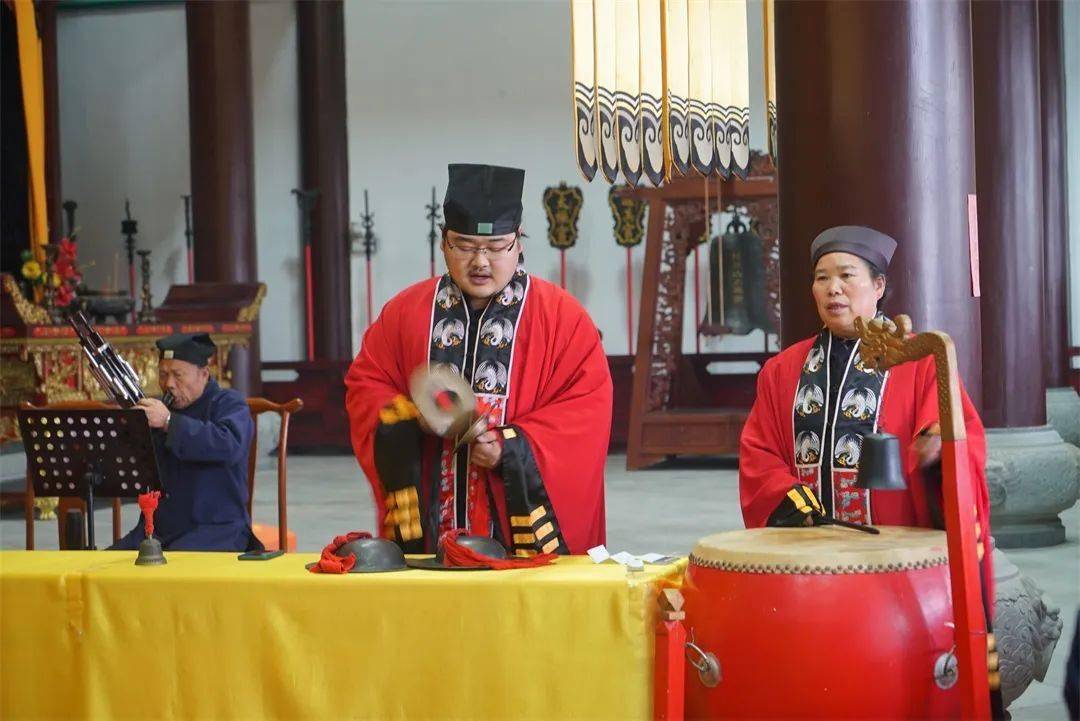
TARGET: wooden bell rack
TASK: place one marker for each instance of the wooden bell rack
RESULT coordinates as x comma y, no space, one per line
666,417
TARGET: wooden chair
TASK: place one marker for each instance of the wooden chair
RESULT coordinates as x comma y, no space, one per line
65,503
258,406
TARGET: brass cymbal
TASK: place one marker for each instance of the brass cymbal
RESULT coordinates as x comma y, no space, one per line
445,401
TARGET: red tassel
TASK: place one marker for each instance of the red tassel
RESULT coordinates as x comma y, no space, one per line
456,555
329,562
148,504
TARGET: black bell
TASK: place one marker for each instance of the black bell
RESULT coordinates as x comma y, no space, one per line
479,544
374,555
879,463
150,553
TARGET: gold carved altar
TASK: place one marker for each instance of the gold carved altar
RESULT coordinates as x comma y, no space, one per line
43,363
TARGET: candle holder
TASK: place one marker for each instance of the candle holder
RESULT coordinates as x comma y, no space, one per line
146,311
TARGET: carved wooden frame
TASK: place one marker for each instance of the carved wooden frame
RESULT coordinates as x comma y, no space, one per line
888,343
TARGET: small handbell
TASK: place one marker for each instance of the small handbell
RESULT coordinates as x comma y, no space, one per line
150,549
150,553
879,463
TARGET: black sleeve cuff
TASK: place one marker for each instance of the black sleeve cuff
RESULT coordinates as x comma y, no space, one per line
398,463
533,526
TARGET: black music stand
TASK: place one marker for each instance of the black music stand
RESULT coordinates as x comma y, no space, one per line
87,453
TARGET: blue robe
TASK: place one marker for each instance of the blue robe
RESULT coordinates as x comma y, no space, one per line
203,462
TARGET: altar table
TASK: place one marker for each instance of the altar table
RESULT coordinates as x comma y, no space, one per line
87,635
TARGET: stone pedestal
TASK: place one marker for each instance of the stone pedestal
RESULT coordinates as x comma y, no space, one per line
1033,475
1063,413
1027,626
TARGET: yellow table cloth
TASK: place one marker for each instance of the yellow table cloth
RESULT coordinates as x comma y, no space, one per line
90,635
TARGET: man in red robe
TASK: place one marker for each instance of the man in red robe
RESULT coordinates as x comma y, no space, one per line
535,479
816,400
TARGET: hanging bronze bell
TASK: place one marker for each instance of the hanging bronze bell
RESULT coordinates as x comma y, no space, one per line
879,463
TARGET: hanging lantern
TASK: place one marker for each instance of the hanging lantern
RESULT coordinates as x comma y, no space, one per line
660,88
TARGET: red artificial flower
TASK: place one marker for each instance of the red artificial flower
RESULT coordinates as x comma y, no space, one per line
66,269
68,249
64,295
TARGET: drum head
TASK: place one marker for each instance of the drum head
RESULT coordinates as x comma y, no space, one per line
821,549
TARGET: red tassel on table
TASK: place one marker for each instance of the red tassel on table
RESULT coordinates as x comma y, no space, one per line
148,504
456,555
329,562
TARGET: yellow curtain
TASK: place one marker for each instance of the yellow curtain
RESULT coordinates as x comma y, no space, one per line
700,97
667,91
676,88
607,141
584,82
769,10
652,91
33,91
628,90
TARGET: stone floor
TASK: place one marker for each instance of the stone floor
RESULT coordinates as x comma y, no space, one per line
664,510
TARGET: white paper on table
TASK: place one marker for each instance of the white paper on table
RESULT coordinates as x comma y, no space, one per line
598,554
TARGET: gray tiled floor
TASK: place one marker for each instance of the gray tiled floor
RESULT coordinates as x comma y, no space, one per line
663,510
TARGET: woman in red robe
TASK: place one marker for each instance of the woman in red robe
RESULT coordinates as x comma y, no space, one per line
535,480
816,400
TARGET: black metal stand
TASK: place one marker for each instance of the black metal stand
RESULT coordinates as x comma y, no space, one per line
89,453
92,478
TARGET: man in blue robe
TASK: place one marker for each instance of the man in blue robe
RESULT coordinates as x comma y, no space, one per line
201,438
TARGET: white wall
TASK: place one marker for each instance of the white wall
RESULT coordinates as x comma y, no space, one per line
432,82
124,134
275,103
1071,30
429,82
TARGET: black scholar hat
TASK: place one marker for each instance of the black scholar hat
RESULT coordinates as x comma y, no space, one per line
483,199
194,348
869,244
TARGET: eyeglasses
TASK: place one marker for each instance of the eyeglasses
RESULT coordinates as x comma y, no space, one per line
467,251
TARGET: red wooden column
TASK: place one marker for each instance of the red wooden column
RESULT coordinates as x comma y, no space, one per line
222,156
900,161
46,15
324,163
1062,402
1055,199
1030,470
1008,141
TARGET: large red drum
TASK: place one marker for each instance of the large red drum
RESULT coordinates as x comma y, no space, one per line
820,622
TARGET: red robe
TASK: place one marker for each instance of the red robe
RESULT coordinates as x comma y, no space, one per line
559,403
909,405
